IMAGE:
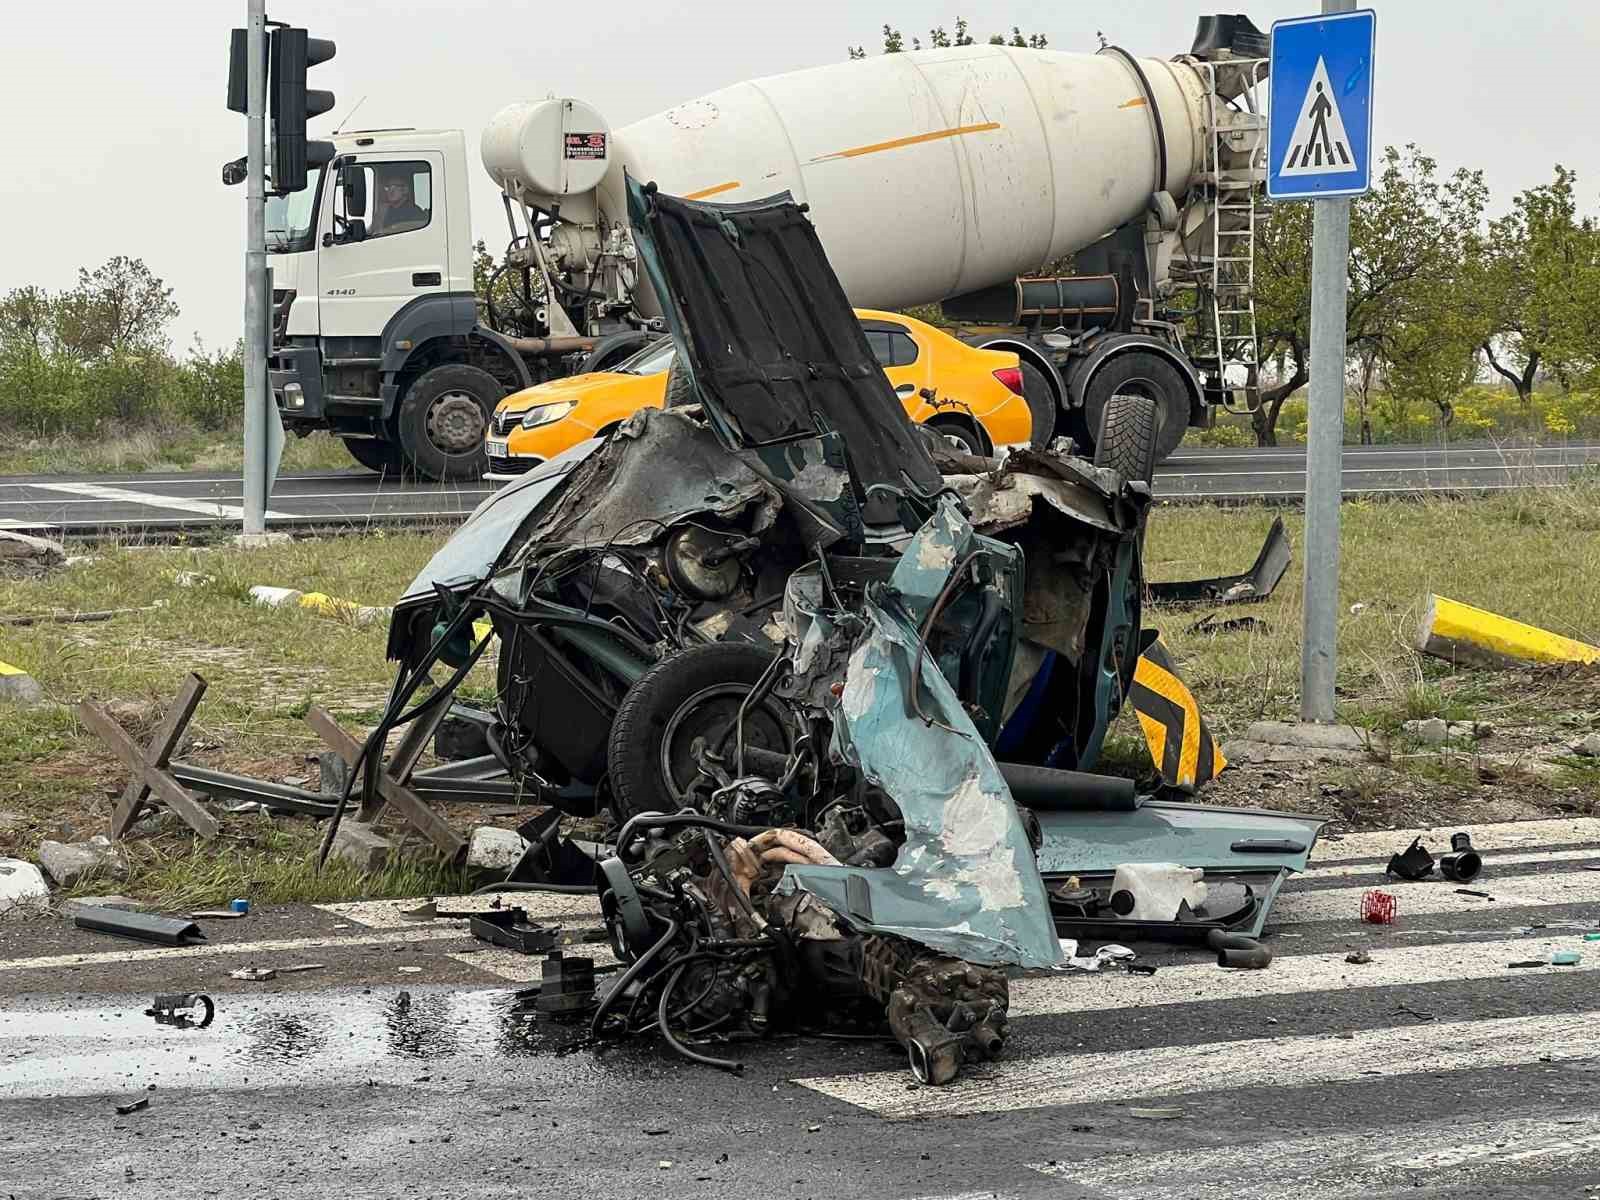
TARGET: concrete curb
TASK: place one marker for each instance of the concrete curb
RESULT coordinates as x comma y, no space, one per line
18,687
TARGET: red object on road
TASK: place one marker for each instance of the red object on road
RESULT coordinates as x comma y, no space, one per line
1378,908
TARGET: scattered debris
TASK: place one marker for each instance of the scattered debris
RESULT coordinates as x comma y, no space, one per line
1359,957
24,620
240,906
1156,1114
133,1106
1413,1012
511,928
491,849
1378,908
566,985
1530,962
360,845
22,888
23,553
217,914
1463,863
1565,958
145,927
71,863
253,974
1255,584
1413,863
176,1009
1210,624
1471,892
1460,633
302,967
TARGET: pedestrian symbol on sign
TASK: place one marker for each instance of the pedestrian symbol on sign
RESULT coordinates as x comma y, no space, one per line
1319,144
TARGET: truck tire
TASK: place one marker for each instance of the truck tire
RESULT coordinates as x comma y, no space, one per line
1041,401
1142,373
691,694
443,418
376,454
1130,428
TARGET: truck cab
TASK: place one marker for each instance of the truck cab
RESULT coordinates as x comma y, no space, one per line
375,333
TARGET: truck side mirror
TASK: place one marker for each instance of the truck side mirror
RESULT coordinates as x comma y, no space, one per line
354,182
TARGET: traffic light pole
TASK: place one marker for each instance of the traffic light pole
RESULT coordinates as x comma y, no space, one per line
256,300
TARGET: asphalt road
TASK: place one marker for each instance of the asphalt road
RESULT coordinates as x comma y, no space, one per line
355,499
404,1065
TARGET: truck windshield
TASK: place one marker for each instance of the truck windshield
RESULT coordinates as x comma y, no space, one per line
292,219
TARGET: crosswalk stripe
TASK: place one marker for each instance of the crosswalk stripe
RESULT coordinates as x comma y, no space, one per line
1101,1078
1190,982
140,954
1327,904
1499,861
1349,1163
1502,835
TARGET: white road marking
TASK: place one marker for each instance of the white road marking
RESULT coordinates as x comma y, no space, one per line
147,953
1350,1163
1440,896
1213,1067
528,968
1501,835
100,492
389,914
1420,469
1192,982
1501,859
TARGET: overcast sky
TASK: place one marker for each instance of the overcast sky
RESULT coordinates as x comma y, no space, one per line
115,125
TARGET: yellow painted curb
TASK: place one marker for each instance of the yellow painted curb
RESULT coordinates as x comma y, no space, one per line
1461,633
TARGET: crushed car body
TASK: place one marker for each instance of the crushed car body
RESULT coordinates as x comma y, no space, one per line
840,690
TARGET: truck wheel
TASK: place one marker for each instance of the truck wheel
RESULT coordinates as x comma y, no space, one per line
1140,373
1129,434
961,435
1041,406
443,418
692,695
375,454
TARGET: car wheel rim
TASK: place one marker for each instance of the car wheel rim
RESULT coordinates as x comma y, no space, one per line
705,715
455,423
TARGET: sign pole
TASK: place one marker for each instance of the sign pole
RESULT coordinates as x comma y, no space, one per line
1330,257
256,306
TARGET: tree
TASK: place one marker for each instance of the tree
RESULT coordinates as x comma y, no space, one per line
27,321
120,308
894,41
1413,240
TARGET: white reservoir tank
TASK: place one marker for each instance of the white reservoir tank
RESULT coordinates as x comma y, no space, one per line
934,172
548,152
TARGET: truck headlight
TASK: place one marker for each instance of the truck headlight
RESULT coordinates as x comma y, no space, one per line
294,396
545,414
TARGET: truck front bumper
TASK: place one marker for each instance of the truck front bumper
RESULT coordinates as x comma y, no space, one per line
294,373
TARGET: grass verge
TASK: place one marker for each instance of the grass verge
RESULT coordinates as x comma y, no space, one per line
1533,555
161,448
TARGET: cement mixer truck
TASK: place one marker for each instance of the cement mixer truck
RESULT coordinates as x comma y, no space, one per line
1094,213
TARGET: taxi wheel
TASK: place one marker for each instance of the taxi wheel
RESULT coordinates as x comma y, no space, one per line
443,419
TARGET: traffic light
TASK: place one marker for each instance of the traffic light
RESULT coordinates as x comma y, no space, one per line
292,104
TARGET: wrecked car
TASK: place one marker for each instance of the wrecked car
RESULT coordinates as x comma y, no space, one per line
841,689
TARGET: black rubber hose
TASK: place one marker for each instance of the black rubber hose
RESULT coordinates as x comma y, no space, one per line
724,1064
629,976
1238,951
1050,790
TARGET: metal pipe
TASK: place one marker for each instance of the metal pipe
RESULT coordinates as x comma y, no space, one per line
255,270
1330,256
550,345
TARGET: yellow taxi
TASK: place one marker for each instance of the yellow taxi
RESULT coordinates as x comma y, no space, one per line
974,398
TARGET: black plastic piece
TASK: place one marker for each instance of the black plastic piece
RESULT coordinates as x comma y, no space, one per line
175,1009
1463,863
144,927
1236,951
566,985
1414,863
1232,33
1267,846
510,927
1254,585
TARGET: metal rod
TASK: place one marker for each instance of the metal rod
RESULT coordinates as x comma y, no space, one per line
255,272
1330,256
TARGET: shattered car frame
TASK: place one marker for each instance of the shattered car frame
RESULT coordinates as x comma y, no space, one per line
842,702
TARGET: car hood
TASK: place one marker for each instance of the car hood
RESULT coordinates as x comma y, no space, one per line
573,387
771,345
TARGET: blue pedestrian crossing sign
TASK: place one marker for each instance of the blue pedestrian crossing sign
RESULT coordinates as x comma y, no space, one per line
1319,124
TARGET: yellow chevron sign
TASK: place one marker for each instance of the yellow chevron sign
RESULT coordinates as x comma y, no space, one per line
1181,747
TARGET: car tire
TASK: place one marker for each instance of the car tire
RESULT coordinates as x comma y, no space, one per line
1142,374
1042,410
443,418
674,693
1129,435
377,454
962,435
